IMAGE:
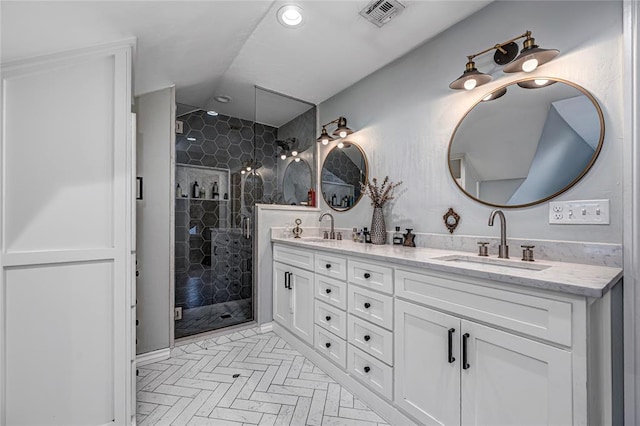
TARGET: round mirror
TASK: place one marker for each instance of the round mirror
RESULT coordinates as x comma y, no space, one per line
296,182
342,171
526,142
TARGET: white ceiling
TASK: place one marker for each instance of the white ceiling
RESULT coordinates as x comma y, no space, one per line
208,48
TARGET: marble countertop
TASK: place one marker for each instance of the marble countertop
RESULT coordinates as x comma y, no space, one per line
572,278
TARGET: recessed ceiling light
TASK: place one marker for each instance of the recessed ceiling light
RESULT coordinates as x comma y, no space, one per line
290,16
212,112
222,99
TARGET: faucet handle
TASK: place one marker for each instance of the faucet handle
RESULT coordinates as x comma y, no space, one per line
326,235
339,236
527,253
482,248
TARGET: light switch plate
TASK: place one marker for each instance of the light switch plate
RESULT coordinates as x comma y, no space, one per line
582,212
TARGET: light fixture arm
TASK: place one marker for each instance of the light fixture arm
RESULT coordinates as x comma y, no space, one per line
499,45
332,122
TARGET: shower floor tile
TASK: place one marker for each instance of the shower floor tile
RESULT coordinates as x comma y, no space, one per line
212,317
236,379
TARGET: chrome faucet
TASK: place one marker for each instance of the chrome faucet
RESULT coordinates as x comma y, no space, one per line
503,248
332,234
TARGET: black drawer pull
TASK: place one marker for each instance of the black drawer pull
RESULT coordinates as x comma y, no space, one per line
367,338
465,363
367,305
451,358
137,323
367,369
328,266
328,318
328,291
367,275
328,345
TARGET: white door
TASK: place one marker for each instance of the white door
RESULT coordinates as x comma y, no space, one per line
512,380
281,294
302,320
427,368
65,308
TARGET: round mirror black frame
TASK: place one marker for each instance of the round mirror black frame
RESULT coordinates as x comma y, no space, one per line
499,90
366,176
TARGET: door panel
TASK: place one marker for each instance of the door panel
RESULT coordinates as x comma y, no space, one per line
302,319
427,385
513,380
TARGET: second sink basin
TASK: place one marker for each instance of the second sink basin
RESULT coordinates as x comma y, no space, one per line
492,261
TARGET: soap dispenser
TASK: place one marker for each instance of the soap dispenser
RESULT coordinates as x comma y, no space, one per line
397,237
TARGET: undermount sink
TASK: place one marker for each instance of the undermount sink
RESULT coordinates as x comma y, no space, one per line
493,262
315,240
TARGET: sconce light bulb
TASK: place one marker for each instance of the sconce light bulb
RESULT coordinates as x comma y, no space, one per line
297,160
470,84
294,153
340,145
325,141
283,157
530,65
242,171
343,134
541,82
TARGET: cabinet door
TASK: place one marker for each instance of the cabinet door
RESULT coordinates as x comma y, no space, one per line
513,380
281,294
302,300
427,380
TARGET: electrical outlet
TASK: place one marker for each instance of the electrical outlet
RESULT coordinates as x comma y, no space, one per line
177,314
585,212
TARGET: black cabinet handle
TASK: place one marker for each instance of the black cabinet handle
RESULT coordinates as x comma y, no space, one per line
451,358
465,339
328,266
137,323
367,305
328,318
328,290
367,275
286,279
367,369
367,338
328,345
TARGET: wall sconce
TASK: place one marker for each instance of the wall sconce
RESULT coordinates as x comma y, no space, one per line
287,148
250,166
531,56
341,131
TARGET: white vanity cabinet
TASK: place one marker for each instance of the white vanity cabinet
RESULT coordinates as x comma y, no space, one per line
440,347
452,371
293,289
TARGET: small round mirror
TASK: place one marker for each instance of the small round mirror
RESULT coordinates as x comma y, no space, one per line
296,182
526,142
342,172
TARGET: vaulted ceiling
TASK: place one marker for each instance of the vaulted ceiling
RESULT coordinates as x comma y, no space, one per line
209,48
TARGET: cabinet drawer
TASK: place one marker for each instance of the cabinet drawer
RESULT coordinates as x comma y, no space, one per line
331,346
372,306
372,276
293,256
331,266
331,291
370,338
537,316
372,372
331,319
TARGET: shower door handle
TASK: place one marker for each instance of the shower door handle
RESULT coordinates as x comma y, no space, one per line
246,227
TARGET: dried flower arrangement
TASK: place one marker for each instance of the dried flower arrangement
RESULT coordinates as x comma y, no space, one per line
379,195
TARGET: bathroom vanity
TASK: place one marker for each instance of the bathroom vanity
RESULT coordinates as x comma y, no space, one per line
441,337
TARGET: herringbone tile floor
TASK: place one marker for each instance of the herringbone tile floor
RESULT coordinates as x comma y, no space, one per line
244,378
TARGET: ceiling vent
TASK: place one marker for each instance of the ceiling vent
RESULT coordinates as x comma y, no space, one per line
380,12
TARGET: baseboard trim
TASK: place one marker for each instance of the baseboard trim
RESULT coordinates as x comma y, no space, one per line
383,407
153,356
266,327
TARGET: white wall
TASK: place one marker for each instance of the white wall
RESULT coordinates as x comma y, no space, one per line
405,114
155,153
